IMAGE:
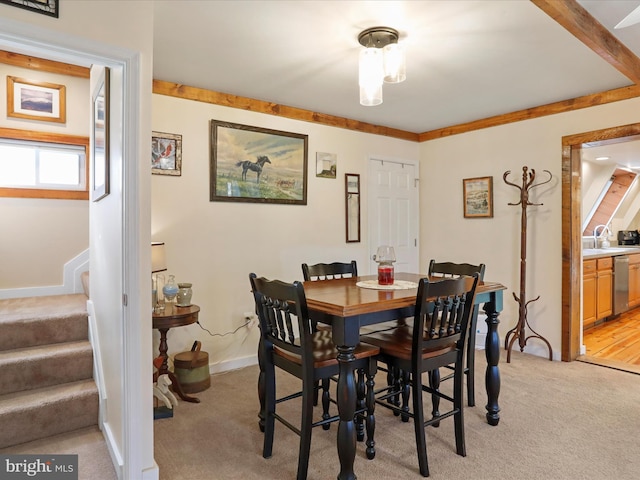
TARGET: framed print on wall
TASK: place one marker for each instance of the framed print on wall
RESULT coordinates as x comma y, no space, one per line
352,203
46,7
259,165
100,139
36,100
166,154
326,164
478,197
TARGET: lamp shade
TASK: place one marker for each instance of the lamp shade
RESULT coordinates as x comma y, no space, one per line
370,78
158,257
395,65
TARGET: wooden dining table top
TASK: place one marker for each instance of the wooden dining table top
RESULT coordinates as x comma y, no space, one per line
343,298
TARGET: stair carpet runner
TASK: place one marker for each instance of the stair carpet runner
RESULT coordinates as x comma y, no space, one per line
46,368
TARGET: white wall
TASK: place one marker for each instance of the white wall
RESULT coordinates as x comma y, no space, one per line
496,241
40,235
215,245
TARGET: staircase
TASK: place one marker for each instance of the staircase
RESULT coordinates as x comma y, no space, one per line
46,368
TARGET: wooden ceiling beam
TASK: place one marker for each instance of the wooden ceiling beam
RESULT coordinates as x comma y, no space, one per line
227,100
577,21
586,101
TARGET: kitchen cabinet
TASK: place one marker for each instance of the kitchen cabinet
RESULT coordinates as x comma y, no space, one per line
597,285
634,280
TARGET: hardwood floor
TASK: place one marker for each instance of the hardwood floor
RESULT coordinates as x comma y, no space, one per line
615,343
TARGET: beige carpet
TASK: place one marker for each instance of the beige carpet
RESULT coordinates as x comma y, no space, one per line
558,421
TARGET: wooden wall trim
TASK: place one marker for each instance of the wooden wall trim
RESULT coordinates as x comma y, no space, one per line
577,21
585,101
35,63
227,100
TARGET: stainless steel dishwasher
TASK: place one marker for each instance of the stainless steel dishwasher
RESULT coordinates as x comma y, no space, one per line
620,284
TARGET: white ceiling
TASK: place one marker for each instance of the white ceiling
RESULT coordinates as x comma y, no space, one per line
466,60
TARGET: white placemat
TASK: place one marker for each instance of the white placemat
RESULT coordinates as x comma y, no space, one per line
397,285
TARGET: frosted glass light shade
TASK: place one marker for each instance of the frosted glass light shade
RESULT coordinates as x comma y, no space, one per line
370,78
395,65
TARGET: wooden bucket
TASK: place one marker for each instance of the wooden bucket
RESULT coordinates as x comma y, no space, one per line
192,369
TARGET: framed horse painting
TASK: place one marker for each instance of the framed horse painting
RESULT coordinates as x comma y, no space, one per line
253,164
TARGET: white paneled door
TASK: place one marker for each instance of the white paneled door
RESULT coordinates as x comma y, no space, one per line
393,211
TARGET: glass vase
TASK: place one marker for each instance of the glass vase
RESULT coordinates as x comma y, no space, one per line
170,289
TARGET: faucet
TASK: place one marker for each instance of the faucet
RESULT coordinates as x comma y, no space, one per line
605,240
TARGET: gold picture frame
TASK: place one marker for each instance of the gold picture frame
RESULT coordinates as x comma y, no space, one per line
31,100
478,197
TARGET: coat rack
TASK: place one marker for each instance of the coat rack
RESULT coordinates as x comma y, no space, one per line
518,332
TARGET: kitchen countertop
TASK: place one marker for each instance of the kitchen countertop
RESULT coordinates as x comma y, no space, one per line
591,253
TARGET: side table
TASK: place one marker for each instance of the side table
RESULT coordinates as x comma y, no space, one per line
163,320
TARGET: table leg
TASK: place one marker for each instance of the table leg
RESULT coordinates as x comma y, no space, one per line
492,351
346,409
164,368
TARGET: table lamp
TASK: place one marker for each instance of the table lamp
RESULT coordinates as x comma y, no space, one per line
158,264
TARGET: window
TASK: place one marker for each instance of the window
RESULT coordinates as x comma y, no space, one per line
43,165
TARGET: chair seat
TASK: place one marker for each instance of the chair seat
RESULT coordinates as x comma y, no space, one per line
397,343
325,352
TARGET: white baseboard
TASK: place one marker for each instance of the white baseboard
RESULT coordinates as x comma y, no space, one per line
234,364
114,452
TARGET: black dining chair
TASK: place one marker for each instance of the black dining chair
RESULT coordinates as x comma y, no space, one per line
450,269
329,271
310,356
435,338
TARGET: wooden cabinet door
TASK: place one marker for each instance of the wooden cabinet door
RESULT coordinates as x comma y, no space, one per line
589,293
634,280
604,287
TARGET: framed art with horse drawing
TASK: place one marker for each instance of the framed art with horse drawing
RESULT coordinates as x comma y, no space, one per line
253,164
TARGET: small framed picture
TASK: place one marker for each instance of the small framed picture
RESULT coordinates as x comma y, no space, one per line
478,197
166,154
36,100
326,165
100,139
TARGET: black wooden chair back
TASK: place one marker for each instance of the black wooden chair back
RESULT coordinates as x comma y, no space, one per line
284,318
450,269
443,310
329,271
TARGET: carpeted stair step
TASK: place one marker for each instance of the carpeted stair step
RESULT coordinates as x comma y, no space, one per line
26,322
41,413
45,365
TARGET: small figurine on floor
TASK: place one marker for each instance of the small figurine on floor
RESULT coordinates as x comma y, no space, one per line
162,392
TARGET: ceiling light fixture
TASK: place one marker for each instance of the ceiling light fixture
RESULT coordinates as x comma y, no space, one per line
381,60
602,158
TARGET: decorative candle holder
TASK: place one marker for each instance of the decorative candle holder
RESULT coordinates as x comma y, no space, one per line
385,256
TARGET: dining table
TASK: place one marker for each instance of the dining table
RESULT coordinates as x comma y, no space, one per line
348,304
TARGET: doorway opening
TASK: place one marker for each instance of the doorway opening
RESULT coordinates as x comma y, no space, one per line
572,229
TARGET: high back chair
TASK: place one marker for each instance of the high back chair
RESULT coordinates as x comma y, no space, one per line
290,341
450,269
328,271
436,339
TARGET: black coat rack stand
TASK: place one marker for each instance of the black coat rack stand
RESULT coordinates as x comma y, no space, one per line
518,332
